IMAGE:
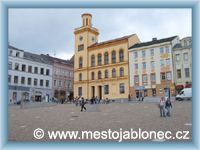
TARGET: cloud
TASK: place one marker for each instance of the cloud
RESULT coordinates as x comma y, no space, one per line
49,30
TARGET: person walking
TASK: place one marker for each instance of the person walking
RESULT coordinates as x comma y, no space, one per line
83,104
162,107
168,106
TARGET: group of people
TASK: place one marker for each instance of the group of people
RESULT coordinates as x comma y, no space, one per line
165,107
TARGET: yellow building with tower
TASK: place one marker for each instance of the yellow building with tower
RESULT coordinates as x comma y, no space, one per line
101,68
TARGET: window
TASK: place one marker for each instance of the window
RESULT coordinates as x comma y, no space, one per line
80,38
30,69
47,83
113,72
106,73
29,81
153,77
22,80
113,57
135,54
23,67
15,79
144,78
152,65
121,55
99,59
47,72
41,82
136,79
169,76
121,88
167,49
80,47
185,55
80,62
36,70
10,65
161,50
11,52
106,89
92,61
143,54
99,74
187,72
9,78
16,66
92,75
121,72
162,76
54,82
106,58
167,62
152,52
79,91
17,54
60,83
136,66
144,65
80,77
179,73
177,57
41,70
35,82
162,63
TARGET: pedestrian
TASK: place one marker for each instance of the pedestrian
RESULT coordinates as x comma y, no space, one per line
83,104
162,107
168,106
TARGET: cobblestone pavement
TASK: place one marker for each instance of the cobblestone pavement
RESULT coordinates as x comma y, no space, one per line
100,117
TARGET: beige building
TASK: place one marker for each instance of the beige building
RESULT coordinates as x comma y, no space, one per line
183,63
151,68
101,68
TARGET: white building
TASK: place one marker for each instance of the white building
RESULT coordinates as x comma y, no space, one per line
183,63
151,68
29,76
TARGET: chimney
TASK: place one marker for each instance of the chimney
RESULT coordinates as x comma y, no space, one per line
154,39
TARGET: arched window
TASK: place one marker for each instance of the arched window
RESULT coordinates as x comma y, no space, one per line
121,72
106,58
80,62
99,74
99,59
92,75
121,55
113,72
106,73
92,61
80,76
113,57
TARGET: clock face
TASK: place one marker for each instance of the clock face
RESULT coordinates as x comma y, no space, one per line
80,38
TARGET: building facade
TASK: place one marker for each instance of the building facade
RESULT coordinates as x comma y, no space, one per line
63,77
101,69
151,68
29,76
182,54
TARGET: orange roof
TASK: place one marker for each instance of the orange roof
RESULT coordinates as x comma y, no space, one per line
111,41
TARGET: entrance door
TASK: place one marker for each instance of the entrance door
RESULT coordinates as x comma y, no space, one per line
153,92
38,98
93,91
100,92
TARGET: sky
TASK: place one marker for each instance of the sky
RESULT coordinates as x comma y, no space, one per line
51,31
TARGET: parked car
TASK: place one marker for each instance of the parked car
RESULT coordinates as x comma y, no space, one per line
184,94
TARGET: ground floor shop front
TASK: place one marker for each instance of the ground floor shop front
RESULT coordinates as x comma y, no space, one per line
18,93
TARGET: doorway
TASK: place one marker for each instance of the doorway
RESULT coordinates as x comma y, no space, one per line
93,91
100,92
38,98
167,92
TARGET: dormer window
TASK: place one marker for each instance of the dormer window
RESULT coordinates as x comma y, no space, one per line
11,52
17,54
